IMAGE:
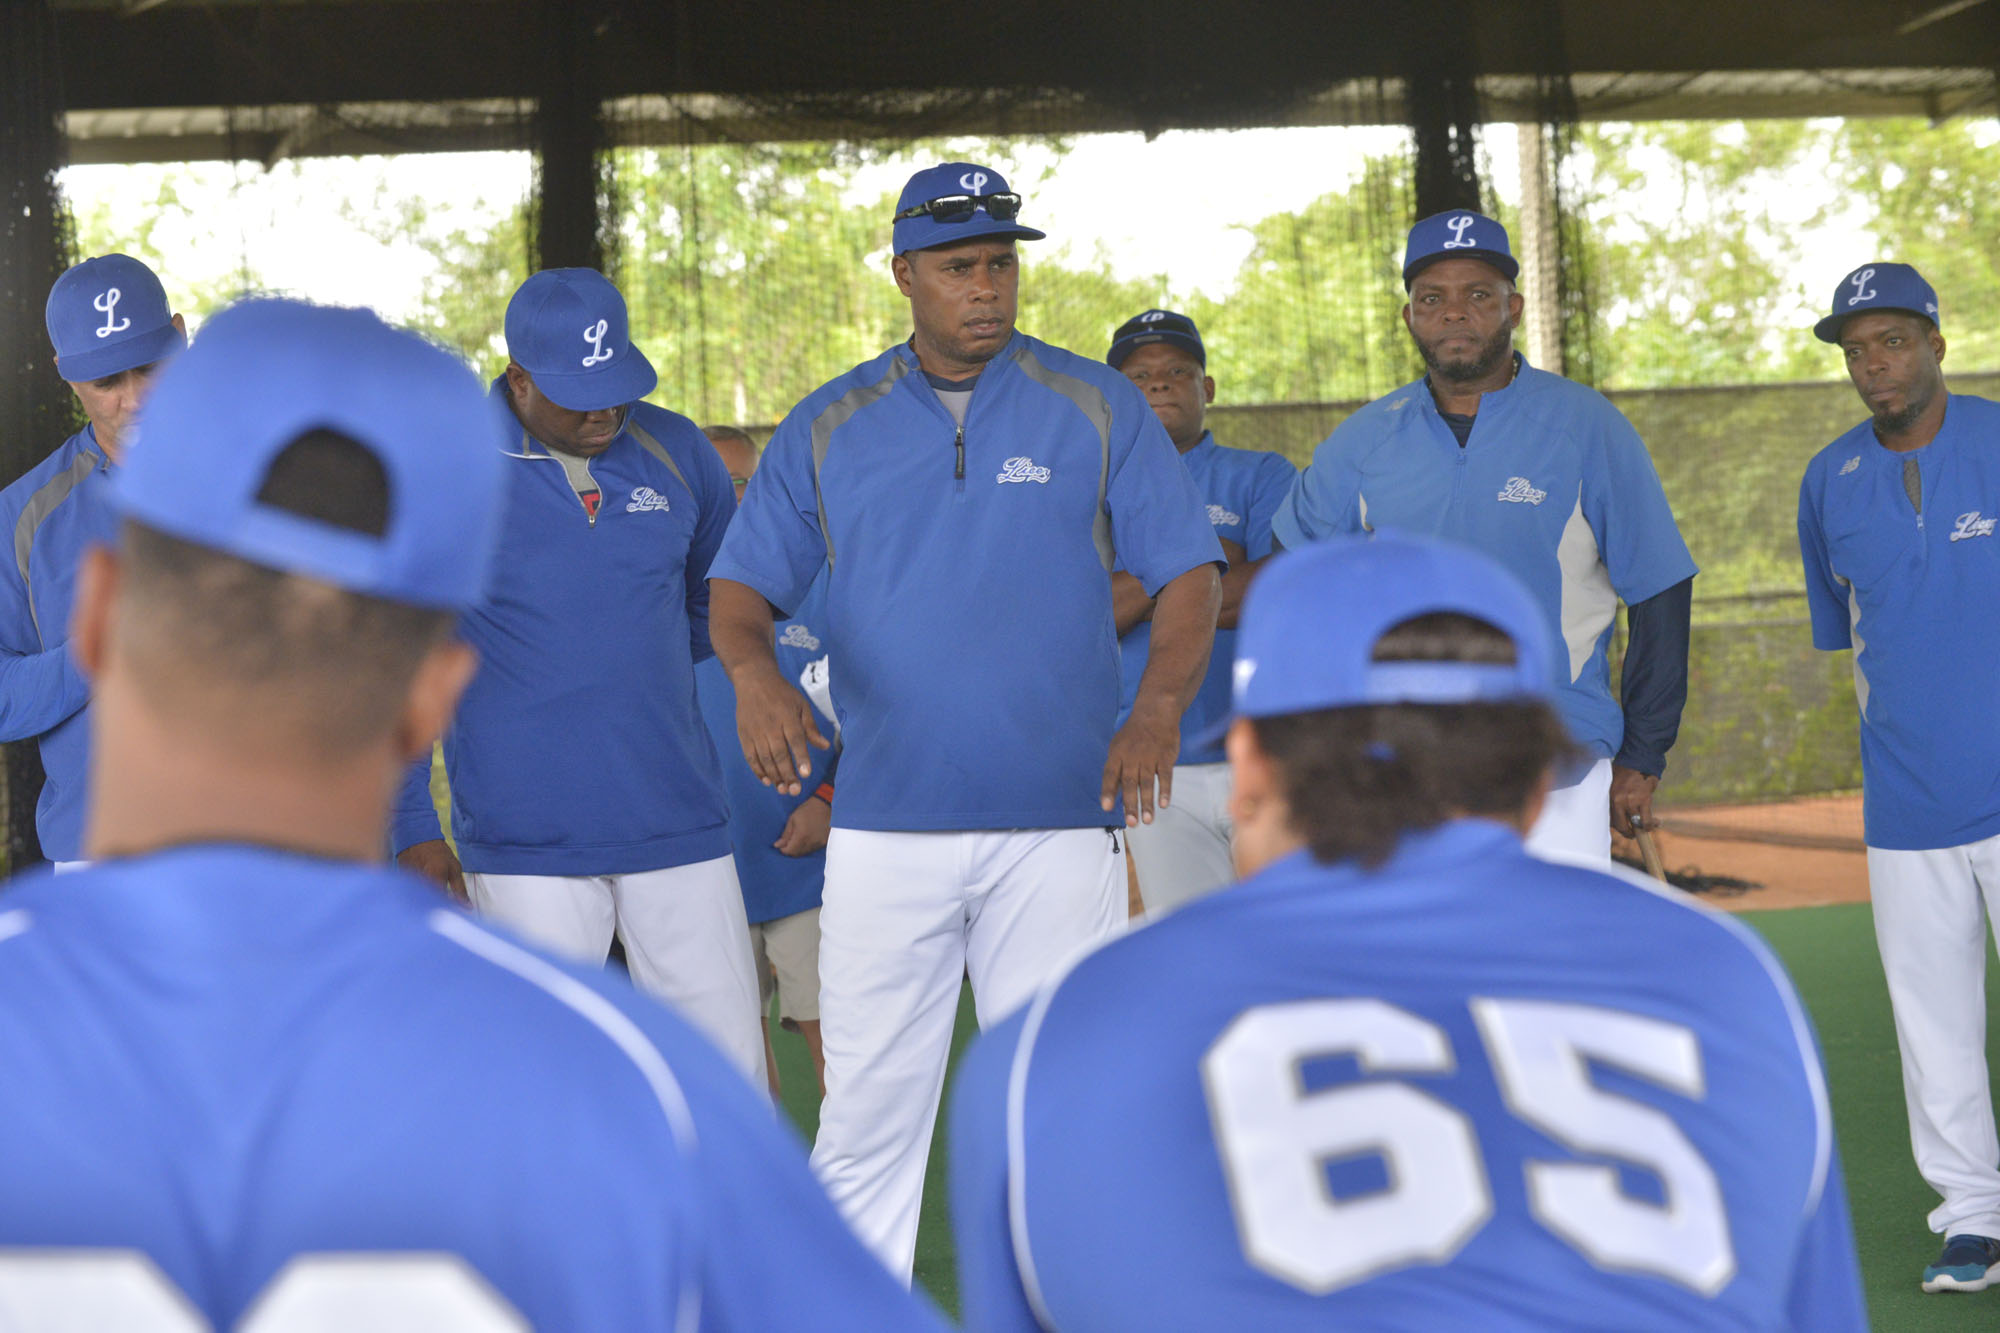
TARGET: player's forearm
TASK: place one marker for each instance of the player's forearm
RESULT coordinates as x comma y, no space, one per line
1235,583
39,691
740,627
1183,633
1130,606
1654,682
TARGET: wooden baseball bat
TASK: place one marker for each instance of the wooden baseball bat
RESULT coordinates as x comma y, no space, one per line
1650,851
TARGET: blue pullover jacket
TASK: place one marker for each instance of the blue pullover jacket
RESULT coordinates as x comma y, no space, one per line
61,506
579,748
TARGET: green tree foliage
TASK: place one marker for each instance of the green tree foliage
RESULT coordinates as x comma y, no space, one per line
1699,291
1316,312
1934,191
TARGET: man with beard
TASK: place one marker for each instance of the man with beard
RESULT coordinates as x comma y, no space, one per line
1896,527
1549,478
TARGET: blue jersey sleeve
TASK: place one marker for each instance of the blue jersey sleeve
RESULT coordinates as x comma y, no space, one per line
1159,522
1831,628
415,818
1627,509
39,686
1270,488
775,1254
774,543
1826,1280
1320,503
716,493
989,1279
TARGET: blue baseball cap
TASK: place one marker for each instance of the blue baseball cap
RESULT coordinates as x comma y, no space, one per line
1310,622
265,372
107,315
567,328
1878,286
1458,233
1156,326
953,180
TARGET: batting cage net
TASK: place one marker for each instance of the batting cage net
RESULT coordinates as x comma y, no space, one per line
750,238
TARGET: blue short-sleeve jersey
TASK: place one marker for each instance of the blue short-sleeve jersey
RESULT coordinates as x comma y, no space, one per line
579,748
56,510
1331,1098
974,654
222,1062
1243,489
1553,482
1916,595
774,885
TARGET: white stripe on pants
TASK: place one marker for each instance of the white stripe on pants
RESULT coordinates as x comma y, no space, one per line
1185,851
686,938
1575,823
906,915
1933,911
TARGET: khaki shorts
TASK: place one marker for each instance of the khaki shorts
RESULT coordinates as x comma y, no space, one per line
787,952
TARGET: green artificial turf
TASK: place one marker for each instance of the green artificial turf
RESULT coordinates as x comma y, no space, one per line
1830,952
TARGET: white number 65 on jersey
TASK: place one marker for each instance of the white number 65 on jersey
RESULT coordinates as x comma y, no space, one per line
1275,1139
84,1291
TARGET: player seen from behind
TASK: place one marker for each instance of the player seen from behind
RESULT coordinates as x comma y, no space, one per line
1404,1075
255,1080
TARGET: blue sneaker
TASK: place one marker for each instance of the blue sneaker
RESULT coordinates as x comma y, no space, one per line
1969,1263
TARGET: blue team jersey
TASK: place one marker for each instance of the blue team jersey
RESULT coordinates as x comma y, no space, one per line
52,513
1915,595
774,885
1553,483
257,1076
1243,488
578,748
968,594
1469,1090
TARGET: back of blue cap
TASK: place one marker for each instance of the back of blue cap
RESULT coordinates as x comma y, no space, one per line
264,373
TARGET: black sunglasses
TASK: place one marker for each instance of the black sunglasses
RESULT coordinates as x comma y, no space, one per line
959,207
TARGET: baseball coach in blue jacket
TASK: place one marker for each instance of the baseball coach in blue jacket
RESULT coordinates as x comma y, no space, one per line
111,328
965,493
585,794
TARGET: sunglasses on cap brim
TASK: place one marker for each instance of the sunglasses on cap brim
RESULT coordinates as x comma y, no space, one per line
959,207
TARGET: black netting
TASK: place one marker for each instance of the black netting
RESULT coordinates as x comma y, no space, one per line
36,410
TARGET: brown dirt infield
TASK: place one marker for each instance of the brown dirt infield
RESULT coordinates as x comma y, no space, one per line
1802,853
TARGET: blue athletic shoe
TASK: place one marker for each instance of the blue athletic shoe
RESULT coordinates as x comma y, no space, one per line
1969,1263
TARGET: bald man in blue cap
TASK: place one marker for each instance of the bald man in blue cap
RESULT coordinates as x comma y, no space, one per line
964,493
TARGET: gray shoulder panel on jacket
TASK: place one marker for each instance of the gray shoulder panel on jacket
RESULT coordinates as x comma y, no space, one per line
1096,408
40,505
837,414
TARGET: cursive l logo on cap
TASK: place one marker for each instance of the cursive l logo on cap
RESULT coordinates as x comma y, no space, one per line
1862,291
594,335
1459,226
973,182
107,305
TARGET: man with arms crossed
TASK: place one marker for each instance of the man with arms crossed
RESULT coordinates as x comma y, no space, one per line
1185,850
1404,1075
586,798
963,493
256,1080
111,327
1548,478
1896,523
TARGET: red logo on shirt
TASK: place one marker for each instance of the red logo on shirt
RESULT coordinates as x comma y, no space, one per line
591,499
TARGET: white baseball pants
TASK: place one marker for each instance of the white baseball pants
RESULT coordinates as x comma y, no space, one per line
1575,824
906,916
685,934
1933,911
1185,851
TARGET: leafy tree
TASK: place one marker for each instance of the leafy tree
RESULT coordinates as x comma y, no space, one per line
1701,292
1934,191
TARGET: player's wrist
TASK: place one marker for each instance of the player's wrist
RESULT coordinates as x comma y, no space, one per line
823,792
